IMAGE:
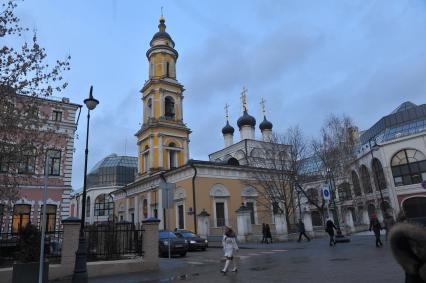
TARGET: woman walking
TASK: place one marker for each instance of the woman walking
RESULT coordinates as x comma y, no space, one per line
263,233
330,230
229,248
268,234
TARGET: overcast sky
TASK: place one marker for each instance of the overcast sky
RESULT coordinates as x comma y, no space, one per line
306,58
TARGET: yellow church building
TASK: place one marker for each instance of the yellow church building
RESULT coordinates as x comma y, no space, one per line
202,196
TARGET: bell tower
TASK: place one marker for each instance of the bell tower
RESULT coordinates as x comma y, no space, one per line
163,138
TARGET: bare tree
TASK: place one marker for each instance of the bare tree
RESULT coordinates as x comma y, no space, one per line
335,149
25,78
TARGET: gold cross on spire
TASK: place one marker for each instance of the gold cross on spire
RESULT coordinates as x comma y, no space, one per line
226,111
244,98
262,105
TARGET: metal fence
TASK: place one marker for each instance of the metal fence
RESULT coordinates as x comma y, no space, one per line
111,241
10,249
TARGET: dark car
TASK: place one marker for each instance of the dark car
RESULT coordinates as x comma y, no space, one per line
177,245
195,242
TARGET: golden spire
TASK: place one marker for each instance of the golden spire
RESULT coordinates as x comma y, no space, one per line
162,26
244,98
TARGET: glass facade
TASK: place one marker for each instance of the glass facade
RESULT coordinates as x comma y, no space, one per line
113,170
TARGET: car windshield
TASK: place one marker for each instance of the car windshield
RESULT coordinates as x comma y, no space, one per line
188,234
167,234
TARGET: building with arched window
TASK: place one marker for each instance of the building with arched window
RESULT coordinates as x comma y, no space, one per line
109,174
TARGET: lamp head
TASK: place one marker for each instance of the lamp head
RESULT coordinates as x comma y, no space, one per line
91,102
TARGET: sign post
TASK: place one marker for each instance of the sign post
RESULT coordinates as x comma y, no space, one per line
167,190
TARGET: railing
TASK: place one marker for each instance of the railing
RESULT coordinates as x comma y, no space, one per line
10,247
111,241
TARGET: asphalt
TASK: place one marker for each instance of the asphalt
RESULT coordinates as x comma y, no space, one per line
315,261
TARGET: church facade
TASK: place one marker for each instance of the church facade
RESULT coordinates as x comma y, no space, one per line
202,196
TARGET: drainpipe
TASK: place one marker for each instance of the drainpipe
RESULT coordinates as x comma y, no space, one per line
164,209
194,204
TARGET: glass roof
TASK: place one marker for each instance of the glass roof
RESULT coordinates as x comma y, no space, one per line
114,161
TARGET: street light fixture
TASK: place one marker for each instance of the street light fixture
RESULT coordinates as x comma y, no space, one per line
80,269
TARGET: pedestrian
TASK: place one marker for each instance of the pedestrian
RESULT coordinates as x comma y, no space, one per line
302,231
268,234
229,248
329,228
263,233
388,222
376,227
408,245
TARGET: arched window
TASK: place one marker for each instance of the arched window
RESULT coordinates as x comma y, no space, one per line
104,205
379,176
146,159
344,191
408,167
172,156
88,207
365,179
355,183
21,216
233,161
149,108
169,104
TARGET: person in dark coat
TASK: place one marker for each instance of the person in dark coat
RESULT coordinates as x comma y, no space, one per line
302,231
408,245
263,233
376,227
329,228
268,234
388,222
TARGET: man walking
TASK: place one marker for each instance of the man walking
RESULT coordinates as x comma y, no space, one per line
329,228
376,227
302,231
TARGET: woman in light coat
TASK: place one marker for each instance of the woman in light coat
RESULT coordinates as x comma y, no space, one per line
229,248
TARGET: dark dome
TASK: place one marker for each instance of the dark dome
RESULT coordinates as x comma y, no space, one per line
265,125
162,34
228,129
246,120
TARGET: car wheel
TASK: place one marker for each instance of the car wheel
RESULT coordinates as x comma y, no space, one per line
183,254
203,249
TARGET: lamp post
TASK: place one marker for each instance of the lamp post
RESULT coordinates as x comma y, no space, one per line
333,200
80,269
382,204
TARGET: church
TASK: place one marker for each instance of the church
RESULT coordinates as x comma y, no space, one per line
201,196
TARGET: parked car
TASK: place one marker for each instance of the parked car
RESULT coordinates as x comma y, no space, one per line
177,245
195,242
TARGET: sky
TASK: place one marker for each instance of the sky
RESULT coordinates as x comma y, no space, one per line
307,59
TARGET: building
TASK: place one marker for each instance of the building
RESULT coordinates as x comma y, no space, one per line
50,137
109,174
389,171
202,196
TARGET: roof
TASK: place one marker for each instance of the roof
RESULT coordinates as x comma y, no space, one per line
113,160
407,119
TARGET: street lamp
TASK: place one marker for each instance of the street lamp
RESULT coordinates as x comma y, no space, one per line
382,204
80,269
